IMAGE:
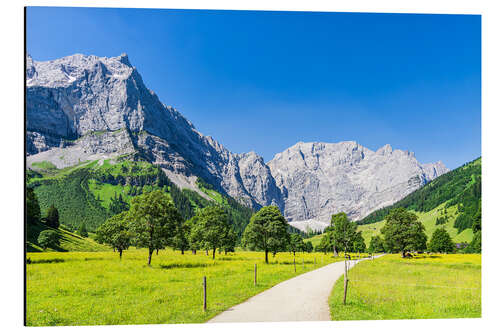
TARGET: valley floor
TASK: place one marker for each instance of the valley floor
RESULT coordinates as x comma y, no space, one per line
96,288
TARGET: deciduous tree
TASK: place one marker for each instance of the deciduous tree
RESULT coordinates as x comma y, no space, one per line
376,245
48,238
267,231
403,232
211,228
441,242
344,231
153,221
296,243
115,232
358,244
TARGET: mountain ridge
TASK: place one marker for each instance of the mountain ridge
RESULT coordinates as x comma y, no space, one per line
87,107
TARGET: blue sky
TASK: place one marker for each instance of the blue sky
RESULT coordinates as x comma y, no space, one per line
263,81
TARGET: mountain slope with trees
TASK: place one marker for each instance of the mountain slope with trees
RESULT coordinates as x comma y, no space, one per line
460,187
94,191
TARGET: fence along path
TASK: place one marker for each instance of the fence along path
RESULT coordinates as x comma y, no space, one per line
302,298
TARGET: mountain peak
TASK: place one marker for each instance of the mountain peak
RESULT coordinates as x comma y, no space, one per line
385,150
123,58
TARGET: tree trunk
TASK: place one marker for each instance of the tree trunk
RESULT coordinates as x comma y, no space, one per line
335,253
150,254
121,254
225,251
213,254
157,251
182,251
267,261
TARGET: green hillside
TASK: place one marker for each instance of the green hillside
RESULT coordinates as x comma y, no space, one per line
429,221
68,240
93,191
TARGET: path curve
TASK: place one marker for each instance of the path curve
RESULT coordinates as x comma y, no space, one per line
302,298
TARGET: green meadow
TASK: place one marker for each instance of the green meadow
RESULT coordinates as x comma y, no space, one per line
96,288
424,287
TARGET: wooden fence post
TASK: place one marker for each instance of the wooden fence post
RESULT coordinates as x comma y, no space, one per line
255,275
346,281
204,293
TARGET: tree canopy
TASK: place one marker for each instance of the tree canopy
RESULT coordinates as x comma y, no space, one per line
211,228
32,207
376,245
115,232
181,237
153,221
344,231
267,231
52,219
441,242
403,232
296,243
48,238
358,244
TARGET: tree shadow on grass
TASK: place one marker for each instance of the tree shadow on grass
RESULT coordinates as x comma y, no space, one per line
186,265
234,259
426,257
44,261
285,262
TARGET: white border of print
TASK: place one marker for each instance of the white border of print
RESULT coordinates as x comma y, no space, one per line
12,138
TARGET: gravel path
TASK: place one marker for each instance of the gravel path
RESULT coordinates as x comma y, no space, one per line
302,298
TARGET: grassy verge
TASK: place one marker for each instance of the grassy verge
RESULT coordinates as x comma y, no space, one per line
98,289
435,286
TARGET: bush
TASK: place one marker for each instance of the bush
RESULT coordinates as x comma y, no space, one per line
52,219
48,238
441,242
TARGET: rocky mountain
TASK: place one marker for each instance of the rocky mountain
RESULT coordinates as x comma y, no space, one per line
318,179
86,107
83,108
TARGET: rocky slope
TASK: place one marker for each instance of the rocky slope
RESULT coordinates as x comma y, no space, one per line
86,108
318,179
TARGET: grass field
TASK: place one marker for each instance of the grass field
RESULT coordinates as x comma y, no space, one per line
78,288
436,286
